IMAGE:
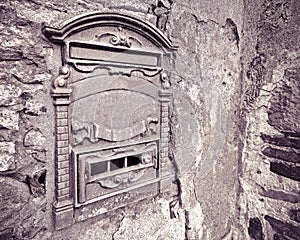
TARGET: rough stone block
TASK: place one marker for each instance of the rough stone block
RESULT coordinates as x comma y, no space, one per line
34,138
9,94
14,195
284,112
281,154
7,160
6,234
34,108
279,237
281,141
280,195
285,170
255,229
9,119
284,228
295,214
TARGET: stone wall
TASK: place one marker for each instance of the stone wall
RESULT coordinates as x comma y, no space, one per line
270,163
235,157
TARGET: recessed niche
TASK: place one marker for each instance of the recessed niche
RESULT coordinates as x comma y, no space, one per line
98,168
117,164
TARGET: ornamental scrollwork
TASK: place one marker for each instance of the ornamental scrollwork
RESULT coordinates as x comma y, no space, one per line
61,80
119,38
97,131
165,80
122,181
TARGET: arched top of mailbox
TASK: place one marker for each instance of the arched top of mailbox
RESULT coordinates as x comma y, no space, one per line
96,19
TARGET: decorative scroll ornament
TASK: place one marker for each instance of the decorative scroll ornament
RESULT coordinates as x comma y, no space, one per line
97,131
147,158
61,80
119,39
165,80
122,181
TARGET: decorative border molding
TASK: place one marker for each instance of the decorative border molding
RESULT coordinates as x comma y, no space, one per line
108,19
63,206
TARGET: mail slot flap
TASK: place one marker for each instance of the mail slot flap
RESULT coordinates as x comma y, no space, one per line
111,170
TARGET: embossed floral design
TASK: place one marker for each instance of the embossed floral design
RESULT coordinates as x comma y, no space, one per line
119,38
123,180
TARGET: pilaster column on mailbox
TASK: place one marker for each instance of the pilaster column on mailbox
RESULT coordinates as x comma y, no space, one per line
63,206
165,97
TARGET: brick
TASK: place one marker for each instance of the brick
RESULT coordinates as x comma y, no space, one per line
255,230
295,215
64,191
62,115
63,143
62,158
63,150
165,107
165,149
61,108
61,122
64,136
164,120
165,114
63,178
62,171
165,130
63,185
278,236
61,130
64,164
